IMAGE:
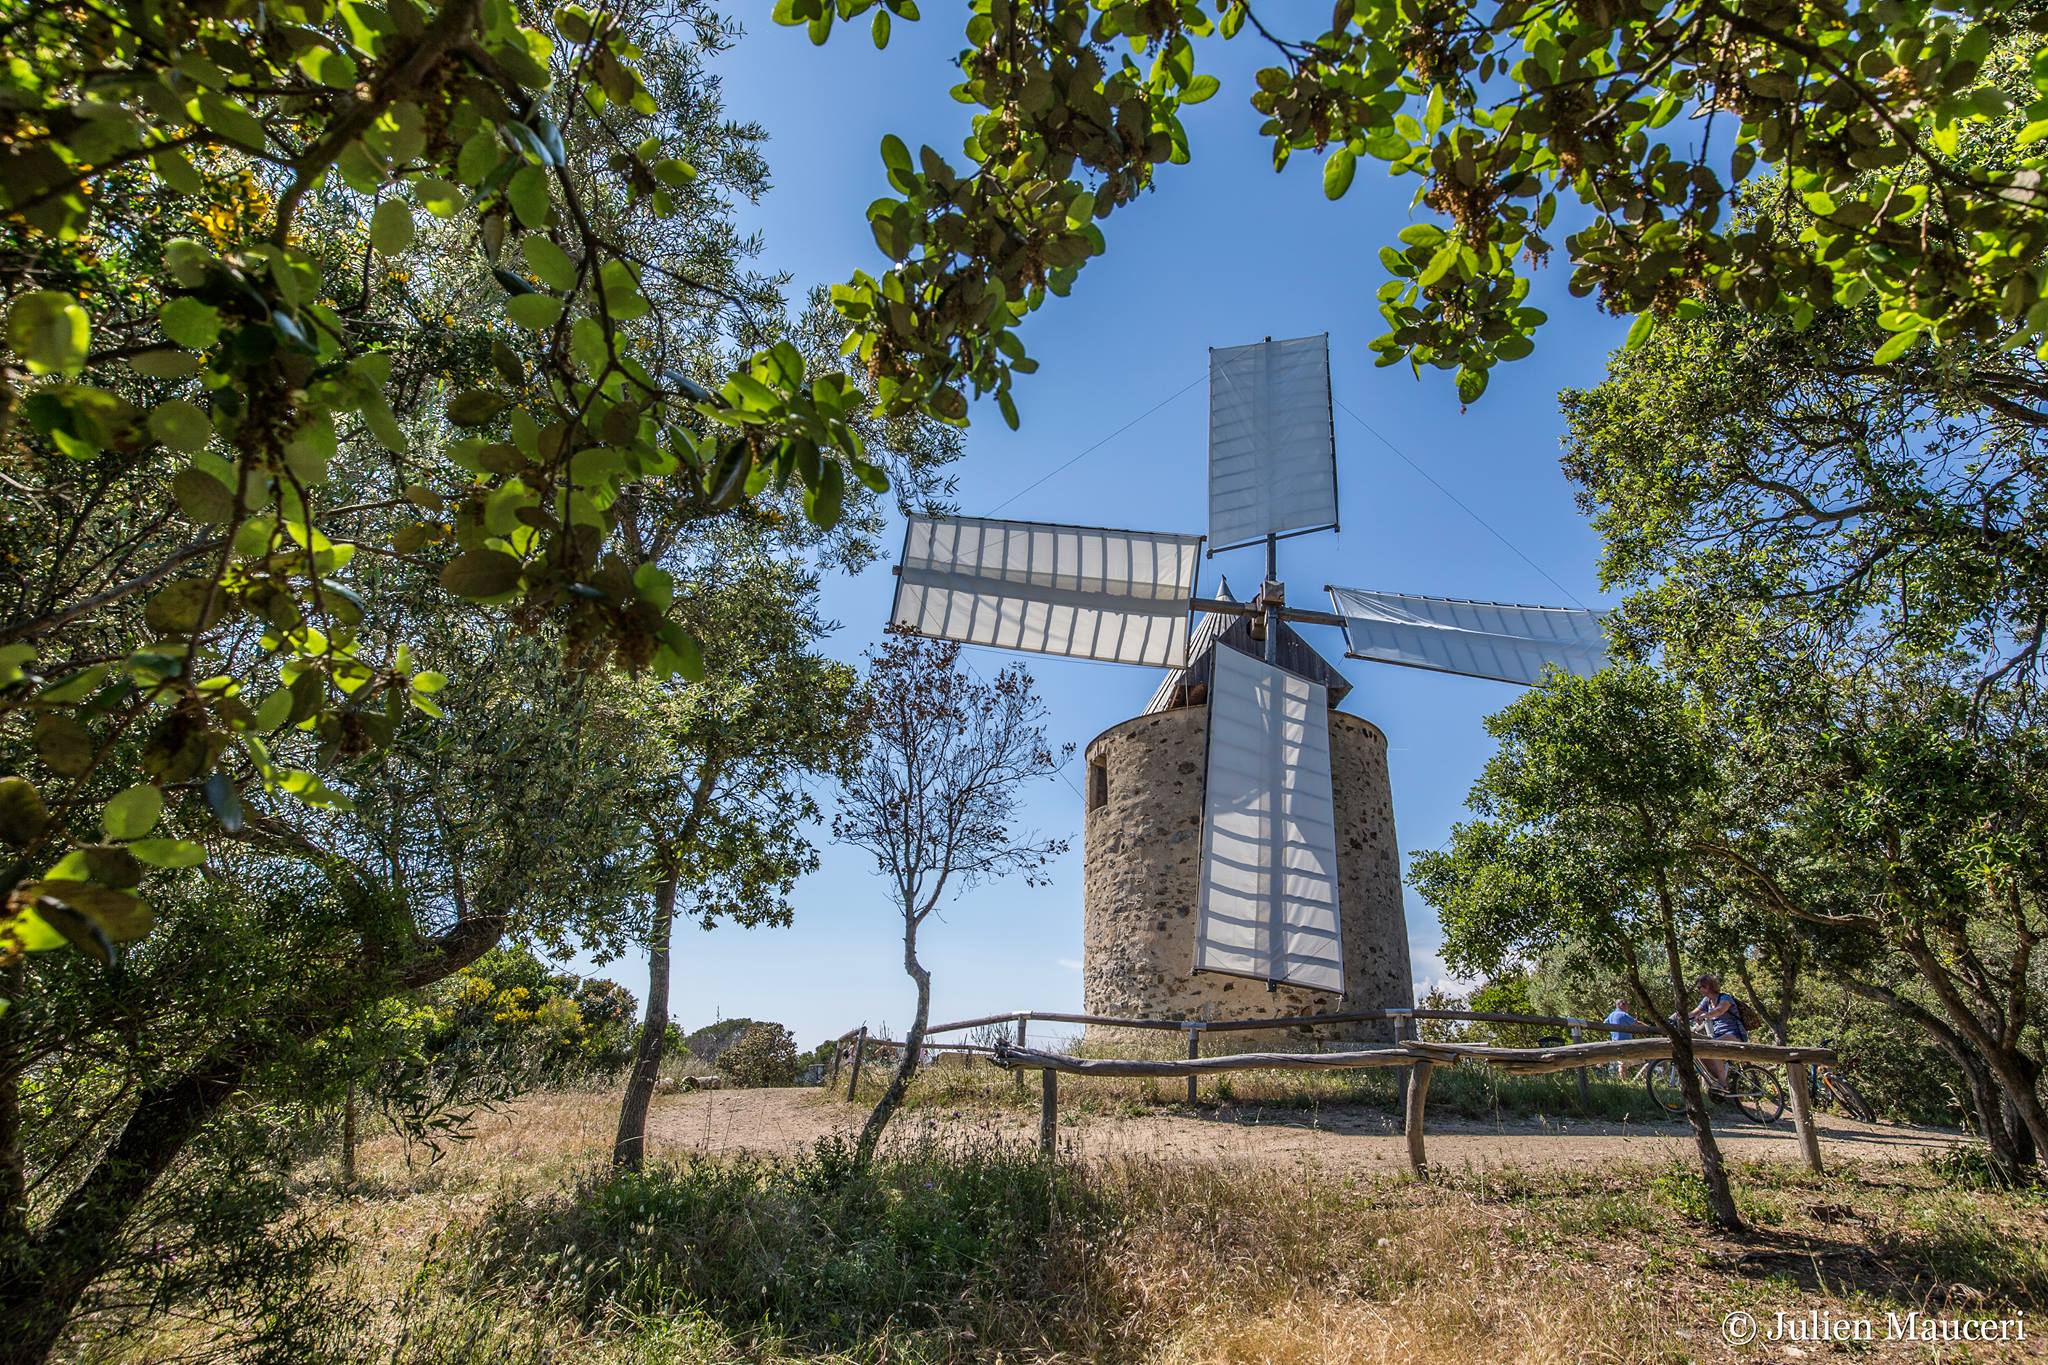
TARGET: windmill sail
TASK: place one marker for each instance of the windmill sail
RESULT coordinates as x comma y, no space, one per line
1497,640
1079,591
1272,445
1268,905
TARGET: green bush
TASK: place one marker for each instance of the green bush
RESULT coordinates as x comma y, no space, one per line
763,1055
813,1250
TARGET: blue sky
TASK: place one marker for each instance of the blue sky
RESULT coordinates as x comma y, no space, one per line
1222,252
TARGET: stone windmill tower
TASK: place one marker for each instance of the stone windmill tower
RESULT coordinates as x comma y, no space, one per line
1241,859
1144,861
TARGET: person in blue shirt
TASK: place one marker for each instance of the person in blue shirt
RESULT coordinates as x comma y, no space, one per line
1620,1015
1723,1017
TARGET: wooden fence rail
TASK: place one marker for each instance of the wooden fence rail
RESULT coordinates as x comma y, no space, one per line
1023,1017
1419,1059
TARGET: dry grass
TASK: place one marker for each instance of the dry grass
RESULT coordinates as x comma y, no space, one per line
515,1248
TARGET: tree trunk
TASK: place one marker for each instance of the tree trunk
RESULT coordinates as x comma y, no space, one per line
348,1136
913,1045
13,1164
2017,1073
43,1278
45,1274
629,1149
2005,1138
1720,1198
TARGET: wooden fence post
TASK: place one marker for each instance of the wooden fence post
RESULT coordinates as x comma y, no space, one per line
1048,1110
1023,1022
1418,1100
860,1049
1194,1051
1796,1090
1403,1027
1585,1103
832,1075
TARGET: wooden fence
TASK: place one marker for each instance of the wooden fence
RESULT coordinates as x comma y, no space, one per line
1418,1059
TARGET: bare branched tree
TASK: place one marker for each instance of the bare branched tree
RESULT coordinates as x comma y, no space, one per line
935,799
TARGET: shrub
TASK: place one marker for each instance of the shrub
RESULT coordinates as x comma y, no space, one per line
763,1055
814,1250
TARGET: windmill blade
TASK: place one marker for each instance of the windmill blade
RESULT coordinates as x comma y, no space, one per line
1497,640
1268,906
1083,592
1272,443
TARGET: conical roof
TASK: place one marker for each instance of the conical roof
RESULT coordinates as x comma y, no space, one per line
1227,630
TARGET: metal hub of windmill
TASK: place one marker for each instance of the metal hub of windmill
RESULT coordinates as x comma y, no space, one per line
1268,902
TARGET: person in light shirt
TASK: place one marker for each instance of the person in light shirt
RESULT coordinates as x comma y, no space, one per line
1619,1015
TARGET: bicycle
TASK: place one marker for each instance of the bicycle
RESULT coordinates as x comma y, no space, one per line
1756,1090
1827,1079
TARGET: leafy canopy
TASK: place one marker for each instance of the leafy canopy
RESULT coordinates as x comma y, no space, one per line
1907,129
302,287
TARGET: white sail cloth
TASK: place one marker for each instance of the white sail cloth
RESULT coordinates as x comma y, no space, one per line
1079,591
1272,449
1495,640
1268,905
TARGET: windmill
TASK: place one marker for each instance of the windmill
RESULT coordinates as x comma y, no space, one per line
1268,885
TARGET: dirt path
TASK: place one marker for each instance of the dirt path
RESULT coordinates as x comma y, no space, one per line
1335,1137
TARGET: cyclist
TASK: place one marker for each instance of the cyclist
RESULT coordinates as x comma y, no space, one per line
1723,1017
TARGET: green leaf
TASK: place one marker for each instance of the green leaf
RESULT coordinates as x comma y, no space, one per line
1639,330
133,813
23,817
202,497
190,323
536,312
478,407
895,155
50,331
1200,88
168,852
551,263
1338,171
528,192
479,574
1898,345
63,744
391,228
1440,264
180,425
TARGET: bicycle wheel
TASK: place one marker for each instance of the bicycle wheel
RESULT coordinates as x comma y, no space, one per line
1660,1078
1757,1091
1847,1096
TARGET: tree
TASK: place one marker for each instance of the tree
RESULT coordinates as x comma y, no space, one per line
179,397
1773,494
764,1054
934,799
722,806
118,1080
1832,555
1900,825
1589,815
1910,133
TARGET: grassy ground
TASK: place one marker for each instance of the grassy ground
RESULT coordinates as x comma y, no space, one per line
518,1248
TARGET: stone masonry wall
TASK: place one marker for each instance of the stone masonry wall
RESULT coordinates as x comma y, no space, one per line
1142,874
